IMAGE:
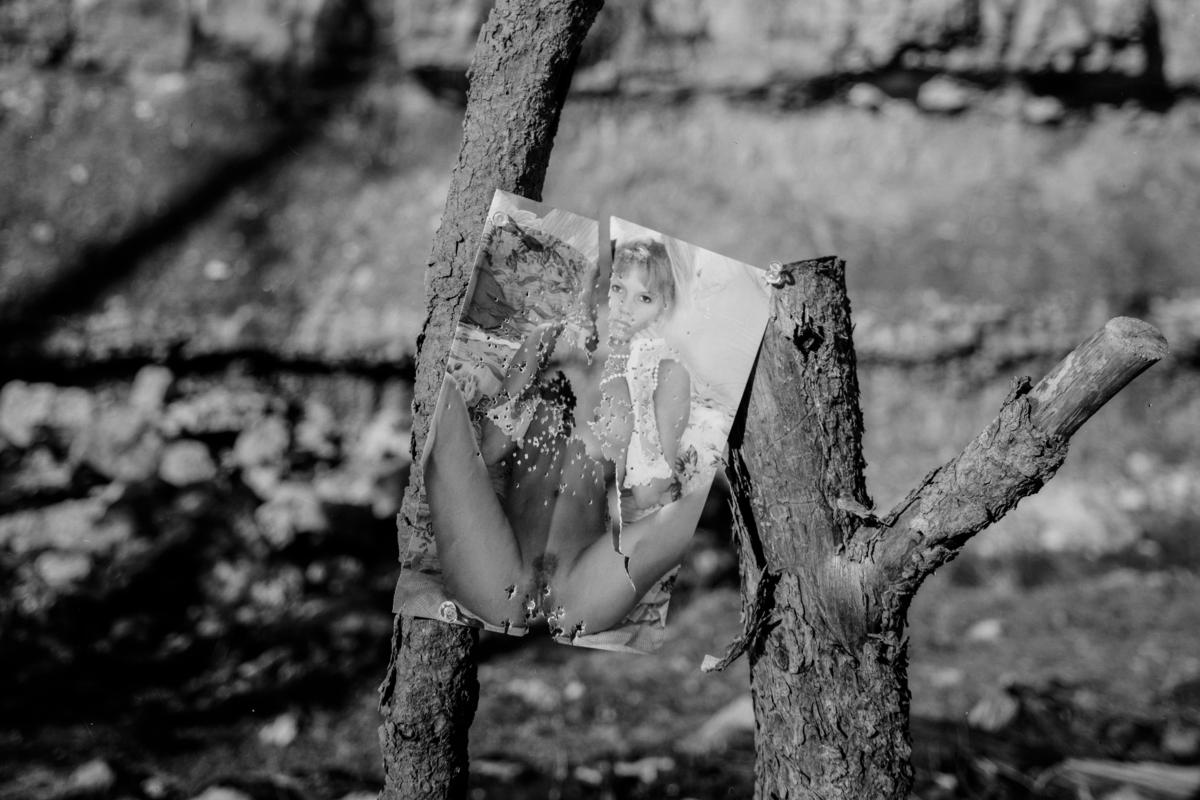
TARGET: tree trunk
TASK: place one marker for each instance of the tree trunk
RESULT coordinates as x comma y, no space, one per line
830,696
519,77
826,583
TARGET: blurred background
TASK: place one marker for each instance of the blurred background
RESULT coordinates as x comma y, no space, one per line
214,220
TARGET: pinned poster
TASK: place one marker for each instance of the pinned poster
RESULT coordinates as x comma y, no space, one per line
574,441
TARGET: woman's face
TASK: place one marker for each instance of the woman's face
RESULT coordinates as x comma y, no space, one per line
632,305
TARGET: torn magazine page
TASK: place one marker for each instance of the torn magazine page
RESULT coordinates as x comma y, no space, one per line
574,441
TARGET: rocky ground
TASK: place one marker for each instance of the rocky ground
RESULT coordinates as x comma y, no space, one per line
213,224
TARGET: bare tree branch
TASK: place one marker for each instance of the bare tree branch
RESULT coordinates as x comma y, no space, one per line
1011,459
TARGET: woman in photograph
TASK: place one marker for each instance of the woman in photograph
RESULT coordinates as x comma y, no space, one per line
665,440
539,548
646,390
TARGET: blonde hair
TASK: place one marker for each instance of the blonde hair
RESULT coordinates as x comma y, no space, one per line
651,259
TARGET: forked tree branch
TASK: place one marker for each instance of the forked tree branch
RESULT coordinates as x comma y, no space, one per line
1011,459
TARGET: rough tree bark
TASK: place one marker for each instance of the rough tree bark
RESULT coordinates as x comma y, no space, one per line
519,77
826,583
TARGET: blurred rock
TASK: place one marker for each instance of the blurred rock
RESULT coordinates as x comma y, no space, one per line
264,443
263,480
574,691
62,571
23,409
218,409
588,776
943,96
76,525
186,545
281,731
92,778
39,472
149,389
216,270
185,463
158,787
1043,110
994,711
123,445
866,95
985,630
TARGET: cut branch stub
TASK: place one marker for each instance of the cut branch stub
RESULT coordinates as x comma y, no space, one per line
1092,373
1014,456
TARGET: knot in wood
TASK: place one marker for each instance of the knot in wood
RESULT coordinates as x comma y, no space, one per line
808,337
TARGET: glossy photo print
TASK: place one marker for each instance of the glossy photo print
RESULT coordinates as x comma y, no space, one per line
578,427
683,327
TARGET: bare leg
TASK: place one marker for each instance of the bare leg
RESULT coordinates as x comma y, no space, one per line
480,556
595,590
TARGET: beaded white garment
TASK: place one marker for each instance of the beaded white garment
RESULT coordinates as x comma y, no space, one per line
645,461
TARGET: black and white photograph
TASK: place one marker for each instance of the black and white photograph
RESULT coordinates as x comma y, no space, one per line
599,400
565,479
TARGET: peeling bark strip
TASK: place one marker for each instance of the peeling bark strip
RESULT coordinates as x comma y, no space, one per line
826,583
522,67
